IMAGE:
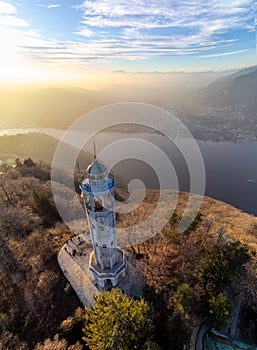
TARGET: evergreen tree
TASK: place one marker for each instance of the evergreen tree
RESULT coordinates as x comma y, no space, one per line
29,162
183,297
117,322
221,264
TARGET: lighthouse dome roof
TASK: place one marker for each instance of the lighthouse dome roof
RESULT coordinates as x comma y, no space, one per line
96,168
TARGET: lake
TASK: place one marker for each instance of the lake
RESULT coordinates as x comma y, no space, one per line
231,168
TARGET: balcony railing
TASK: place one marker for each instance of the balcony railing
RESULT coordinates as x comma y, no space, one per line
94,187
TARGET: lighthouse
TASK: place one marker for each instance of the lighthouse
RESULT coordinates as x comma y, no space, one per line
107,261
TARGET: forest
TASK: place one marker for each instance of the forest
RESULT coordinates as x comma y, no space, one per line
190,277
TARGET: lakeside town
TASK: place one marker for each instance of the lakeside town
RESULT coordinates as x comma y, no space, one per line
232,123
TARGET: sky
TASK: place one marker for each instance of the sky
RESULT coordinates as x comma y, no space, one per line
45,40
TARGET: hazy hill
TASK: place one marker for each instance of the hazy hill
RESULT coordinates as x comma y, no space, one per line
36,146
59,107
50,107
161,88
237,89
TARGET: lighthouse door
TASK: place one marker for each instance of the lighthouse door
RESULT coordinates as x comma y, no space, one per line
108,284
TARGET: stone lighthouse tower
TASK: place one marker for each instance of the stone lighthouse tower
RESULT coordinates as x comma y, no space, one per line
107,261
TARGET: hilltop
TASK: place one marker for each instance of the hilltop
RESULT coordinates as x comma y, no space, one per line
36,300
187,273
234,222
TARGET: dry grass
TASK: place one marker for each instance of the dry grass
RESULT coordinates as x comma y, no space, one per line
218,215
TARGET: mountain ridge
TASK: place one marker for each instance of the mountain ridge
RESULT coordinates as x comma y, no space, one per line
237,89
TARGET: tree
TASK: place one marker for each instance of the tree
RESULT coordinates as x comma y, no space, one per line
44,207
173,233
219,310
177,331
194,219
17,222
29,162
149,345
17,163
182,298
57,344
9,341
117,322
222,263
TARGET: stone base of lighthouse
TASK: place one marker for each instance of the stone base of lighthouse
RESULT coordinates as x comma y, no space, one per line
108,278
74,260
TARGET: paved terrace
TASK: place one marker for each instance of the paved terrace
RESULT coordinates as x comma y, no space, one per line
73,259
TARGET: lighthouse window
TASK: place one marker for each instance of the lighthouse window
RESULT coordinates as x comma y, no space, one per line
108,200
101,228
112,243
104,246
98,203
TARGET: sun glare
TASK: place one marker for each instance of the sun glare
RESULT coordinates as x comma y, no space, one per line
15,69
11,68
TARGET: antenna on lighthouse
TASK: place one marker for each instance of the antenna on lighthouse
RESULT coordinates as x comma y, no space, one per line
94,149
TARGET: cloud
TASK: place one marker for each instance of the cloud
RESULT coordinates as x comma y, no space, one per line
224,54
81,52
166,27
13,21
6,8
51,6
166,13
138,30
85,32
7,19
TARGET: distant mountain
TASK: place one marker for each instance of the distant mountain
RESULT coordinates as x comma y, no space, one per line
36,146
161,88
237,73
237,89
244,71
50,107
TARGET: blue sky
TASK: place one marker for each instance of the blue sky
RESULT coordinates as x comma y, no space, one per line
74,36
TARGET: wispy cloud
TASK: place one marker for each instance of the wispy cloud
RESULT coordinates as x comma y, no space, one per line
50,6
158,14
224,54
167,27
137,30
